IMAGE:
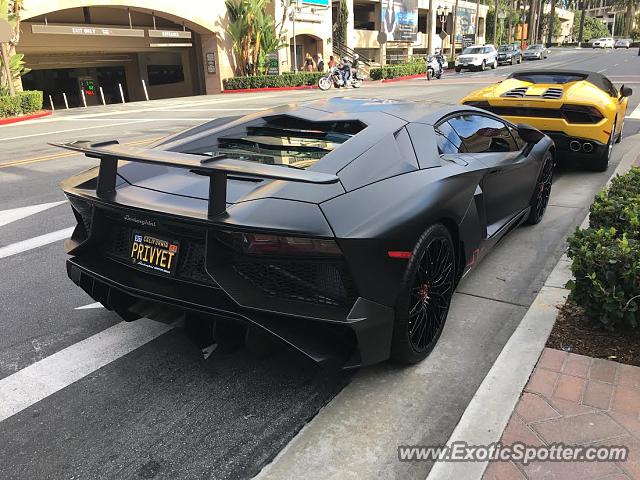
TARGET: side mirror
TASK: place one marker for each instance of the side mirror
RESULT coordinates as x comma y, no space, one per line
625,91
529,134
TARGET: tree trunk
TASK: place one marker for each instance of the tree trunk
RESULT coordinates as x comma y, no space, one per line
477,27
495,24
530,19
582,14
551,22
628,20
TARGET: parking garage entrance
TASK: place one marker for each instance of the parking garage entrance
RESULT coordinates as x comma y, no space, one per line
110,54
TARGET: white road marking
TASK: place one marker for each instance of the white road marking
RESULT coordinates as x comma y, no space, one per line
8,216
635,115
90,306
71,130
600,71
35,242
51,374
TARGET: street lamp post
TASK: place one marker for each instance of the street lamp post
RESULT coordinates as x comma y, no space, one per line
442,12
296,4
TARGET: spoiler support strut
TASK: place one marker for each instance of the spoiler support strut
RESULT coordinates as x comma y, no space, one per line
217,168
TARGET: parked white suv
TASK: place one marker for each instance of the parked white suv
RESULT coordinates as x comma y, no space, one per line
477,57
604,43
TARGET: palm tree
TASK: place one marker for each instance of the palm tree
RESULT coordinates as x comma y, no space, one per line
10,10
246,19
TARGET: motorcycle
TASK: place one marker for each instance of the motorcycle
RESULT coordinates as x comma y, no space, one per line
334,78
435,66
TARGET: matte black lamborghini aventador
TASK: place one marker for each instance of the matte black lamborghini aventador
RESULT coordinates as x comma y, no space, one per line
340,226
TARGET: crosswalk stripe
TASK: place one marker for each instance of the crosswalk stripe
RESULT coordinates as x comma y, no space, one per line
35,242
13,214
90,306
41,379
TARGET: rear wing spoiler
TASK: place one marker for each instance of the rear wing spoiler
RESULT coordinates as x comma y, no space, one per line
216,168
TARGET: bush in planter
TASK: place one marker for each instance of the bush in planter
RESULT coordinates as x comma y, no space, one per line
10,106
25,102
266,81
619,206
30,100
606,267
393,71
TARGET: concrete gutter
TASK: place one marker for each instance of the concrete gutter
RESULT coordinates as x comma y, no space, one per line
489,411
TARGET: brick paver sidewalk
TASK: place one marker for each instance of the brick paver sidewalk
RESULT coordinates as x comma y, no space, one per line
575,400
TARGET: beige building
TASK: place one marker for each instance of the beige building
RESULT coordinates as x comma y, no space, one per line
120,49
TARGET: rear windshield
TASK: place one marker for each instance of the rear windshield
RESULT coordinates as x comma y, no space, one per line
277,140
548,77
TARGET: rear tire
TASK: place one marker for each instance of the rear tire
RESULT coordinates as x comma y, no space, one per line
483,66
494,65
541,195
601,162
458,69
425,296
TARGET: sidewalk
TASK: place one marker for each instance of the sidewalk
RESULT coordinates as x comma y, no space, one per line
575,400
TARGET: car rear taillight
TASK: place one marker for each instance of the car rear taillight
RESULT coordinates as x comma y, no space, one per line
266,244
581,114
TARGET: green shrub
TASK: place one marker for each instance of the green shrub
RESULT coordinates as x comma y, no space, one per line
10,106
606,267
30,100
24,102
619,206
265,81
393,71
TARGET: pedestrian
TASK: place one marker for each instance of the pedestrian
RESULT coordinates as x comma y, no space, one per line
320,63
308,63
332,62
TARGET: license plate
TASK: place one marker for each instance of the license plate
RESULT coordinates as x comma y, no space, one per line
157,255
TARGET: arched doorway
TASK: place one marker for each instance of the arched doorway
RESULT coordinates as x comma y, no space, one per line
111,52
302,45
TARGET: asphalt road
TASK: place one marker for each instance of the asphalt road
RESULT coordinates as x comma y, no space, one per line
111,404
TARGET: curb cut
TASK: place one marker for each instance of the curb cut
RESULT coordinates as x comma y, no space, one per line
502,387
270,89
22,118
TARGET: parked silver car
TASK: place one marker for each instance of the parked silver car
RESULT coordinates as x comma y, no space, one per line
622,43
535,52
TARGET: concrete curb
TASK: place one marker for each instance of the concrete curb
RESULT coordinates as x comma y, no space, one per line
490,409
22,118
270,89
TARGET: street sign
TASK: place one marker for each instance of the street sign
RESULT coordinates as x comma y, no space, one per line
443,35
169,34
84,30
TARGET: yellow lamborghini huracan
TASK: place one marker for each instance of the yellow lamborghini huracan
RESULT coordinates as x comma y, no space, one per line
582,112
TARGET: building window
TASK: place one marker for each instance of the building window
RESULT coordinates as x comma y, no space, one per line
422,22
364,17
164,74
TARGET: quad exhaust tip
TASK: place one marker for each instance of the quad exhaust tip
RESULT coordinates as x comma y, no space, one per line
574,145
587,147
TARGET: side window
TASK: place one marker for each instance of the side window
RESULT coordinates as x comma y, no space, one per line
520,143
482,134
610,88
448,140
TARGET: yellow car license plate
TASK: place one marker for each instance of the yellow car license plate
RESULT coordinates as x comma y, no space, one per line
155,254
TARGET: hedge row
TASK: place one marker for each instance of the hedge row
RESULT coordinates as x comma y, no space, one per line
265,81
401,70
23,103
606,256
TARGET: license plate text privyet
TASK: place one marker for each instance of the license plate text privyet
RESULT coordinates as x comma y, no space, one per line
153,252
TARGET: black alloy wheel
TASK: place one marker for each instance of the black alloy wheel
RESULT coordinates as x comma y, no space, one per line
425,296
542,192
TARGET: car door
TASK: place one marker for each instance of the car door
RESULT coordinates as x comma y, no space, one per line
510,175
